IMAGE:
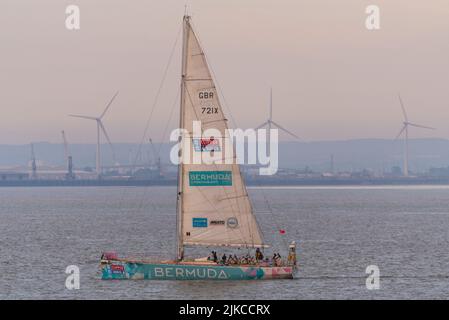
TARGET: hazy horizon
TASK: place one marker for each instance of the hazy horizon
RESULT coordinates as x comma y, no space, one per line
332,79
358,154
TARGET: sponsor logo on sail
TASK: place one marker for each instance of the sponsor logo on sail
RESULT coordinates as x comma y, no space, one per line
183,153
199,222
206,145
210,178
232,222
217,222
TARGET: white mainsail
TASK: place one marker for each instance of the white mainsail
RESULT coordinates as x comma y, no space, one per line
213,204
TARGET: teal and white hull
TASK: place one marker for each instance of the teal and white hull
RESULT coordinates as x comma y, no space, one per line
123,270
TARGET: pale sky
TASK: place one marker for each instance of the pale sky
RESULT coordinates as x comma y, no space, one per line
332,78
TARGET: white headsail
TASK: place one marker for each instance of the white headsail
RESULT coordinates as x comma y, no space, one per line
213,204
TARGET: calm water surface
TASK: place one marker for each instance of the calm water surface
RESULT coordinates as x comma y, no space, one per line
340,231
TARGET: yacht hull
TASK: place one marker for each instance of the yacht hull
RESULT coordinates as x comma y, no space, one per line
123,270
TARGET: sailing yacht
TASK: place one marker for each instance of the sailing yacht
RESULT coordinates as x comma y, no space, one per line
213,207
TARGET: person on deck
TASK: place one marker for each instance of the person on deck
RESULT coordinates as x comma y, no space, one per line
259,255
214,256
277,260
224,259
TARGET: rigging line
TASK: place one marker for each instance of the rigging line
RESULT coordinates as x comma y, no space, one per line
147,125
141,202
270,209
220,90
168,122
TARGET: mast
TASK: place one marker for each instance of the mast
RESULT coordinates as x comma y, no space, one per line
179,203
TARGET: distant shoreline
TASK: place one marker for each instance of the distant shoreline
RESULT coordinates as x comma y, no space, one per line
262,182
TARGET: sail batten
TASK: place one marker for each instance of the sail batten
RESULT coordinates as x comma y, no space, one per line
215,209
239,245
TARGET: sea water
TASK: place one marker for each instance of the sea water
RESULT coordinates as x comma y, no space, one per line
340,231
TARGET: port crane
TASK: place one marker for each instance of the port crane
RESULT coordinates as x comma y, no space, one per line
68,157
33,164
157,158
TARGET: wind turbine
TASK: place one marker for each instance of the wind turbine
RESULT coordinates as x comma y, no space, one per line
404,129
101,127
270,123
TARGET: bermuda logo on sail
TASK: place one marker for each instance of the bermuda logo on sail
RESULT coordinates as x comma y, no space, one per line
210,178
213,207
